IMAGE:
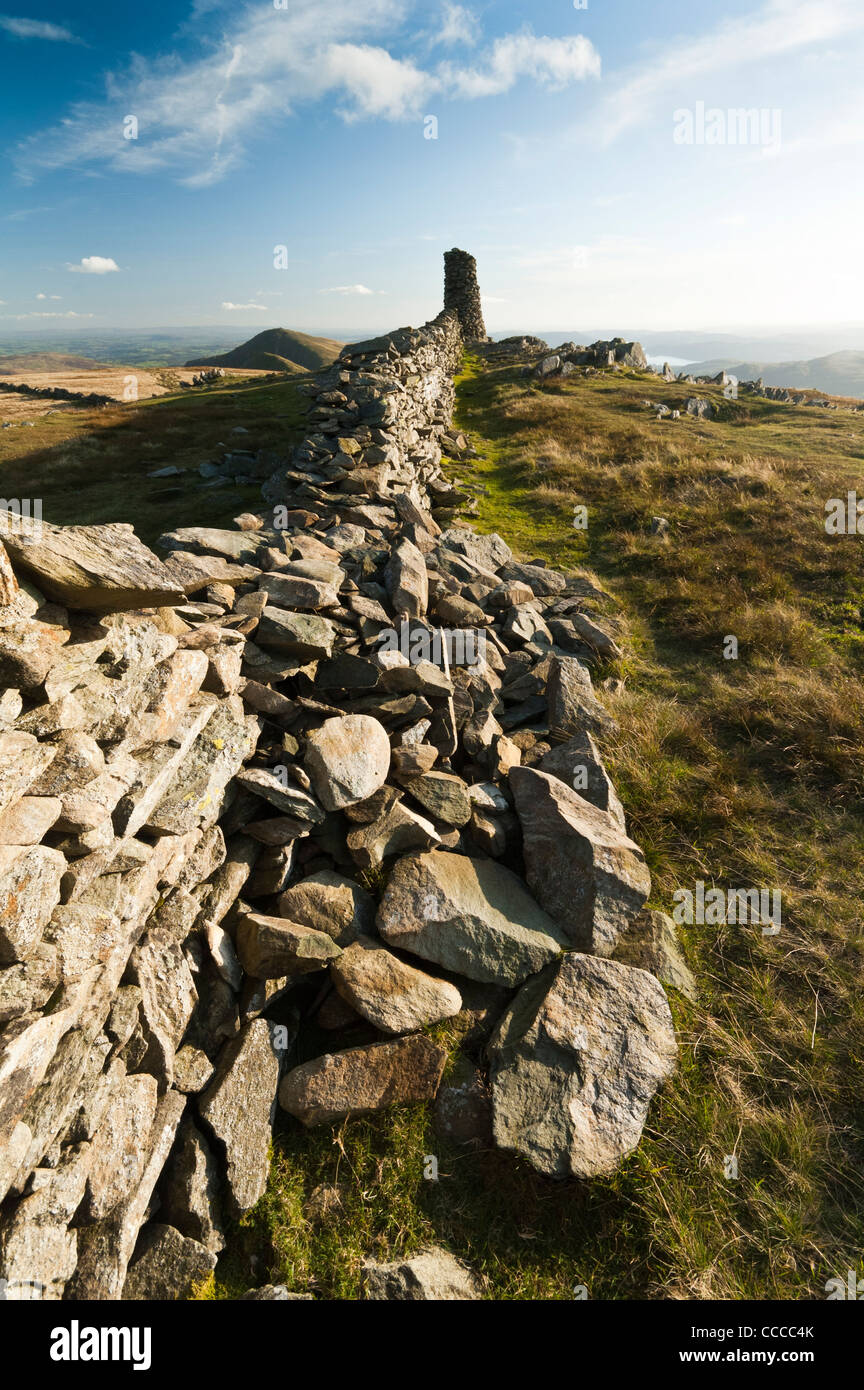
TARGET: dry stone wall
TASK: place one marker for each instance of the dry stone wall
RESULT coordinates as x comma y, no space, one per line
262,792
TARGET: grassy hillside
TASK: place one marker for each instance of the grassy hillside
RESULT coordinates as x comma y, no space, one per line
276,349
91,466
738,773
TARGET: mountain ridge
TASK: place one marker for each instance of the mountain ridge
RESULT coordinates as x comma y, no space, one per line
276,349
837,374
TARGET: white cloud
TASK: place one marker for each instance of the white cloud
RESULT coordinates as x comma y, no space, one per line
94,265
49,296
200,112
550,62
226,304
375,83
36,29
347,289
458,26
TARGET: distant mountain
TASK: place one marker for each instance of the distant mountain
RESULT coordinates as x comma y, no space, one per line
838,374
779,345
47,362
276,350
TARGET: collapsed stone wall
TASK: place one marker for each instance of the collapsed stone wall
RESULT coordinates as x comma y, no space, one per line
55,393
254,794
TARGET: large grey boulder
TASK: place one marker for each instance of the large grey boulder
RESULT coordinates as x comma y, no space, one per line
407,581
472,916
489,552
303,635
432,1276
396,831
582,867
348,759
241,546
298,591
117,1154
575,1062
272,947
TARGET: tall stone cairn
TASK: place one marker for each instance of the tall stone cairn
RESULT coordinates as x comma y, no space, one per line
462,294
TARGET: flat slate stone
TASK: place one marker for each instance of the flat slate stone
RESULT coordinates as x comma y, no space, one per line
104,567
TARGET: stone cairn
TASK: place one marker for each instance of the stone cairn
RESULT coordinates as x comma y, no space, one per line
261,792
462,294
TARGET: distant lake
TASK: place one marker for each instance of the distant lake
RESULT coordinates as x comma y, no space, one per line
656,360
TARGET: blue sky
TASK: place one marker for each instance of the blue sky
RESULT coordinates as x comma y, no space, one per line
591,158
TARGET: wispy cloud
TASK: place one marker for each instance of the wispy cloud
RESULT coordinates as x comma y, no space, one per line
777,29
69,314
94,265
226,304
36,29
198,114
550,62
49,296
20,214
347,289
